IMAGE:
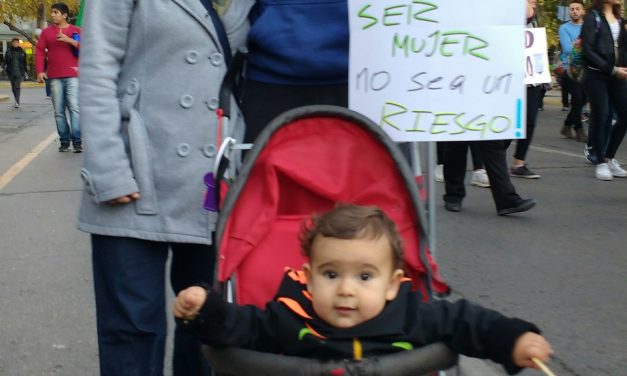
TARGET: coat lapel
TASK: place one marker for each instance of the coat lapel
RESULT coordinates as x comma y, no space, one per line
199,13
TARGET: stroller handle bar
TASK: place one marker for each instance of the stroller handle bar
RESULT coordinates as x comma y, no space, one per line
422,361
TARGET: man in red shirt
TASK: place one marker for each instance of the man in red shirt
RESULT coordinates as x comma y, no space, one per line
59,42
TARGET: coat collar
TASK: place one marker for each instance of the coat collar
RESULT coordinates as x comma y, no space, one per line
200,14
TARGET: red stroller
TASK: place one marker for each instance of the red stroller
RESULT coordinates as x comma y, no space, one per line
306,161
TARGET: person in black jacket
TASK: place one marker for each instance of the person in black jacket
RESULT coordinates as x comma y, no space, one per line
352,300
605,60
15,67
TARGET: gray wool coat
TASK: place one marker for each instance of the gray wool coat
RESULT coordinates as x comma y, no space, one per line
150,72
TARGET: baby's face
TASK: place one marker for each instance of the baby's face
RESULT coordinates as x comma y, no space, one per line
351,280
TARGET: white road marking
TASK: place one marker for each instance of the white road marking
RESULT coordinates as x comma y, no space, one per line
20,165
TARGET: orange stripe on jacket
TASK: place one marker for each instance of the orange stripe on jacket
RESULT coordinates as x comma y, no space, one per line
295,307
297,275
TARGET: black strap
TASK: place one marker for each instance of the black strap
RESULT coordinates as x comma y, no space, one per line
217,23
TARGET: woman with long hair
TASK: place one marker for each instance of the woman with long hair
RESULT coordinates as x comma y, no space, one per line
604,44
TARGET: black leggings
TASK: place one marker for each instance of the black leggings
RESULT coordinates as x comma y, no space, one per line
601,90
16,83
534,99
578,99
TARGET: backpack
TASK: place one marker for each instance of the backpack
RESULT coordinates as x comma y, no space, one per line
575,56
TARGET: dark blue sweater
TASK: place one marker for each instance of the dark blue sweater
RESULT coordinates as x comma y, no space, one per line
299,42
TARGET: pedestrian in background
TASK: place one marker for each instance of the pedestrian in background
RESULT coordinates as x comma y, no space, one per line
59,43
150,78
15,67
605,81
568,33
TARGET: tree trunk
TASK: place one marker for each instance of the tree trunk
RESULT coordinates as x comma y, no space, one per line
41,15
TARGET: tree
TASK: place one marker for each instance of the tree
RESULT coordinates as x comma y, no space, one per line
14,11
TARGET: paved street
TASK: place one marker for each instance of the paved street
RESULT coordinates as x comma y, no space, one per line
562,265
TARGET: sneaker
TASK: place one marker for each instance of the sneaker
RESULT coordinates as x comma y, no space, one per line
522,206
480,178
438,174
587,153
580,135
585,116
615,168
16,105
64,147
78,147
566,132
603,172
523,172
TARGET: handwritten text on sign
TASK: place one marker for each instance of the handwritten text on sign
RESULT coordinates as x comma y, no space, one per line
439,70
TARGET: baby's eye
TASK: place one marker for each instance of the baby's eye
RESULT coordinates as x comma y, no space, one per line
330,274
365,276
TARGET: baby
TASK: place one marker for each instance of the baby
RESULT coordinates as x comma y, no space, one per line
352,300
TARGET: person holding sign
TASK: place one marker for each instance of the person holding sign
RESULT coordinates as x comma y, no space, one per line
534,101
604,81
298,55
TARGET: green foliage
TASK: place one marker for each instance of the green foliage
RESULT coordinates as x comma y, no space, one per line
13,11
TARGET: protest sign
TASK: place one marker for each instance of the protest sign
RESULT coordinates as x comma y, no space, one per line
439,70
537,69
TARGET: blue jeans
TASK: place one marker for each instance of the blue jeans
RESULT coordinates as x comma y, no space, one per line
129,282
65,95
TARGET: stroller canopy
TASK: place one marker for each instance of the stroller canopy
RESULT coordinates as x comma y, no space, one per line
306,161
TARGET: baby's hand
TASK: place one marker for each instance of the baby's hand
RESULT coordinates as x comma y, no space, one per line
531,345
188,302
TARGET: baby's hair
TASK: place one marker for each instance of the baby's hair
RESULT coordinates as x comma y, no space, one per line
347,222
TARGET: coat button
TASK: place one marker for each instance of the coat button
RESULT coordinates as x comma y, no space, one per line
192,57
209,150
216,59
213,103
186,101
132,87
183,150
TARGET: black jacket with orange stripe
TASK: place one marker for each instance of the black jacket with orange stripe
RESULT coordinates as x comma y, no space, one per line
288,325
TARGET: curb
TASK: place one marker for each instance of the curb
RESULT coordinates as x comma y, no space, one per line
4,98
7,84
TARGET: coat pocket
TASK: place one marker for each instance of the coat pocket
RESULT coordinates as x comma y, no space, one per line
137,137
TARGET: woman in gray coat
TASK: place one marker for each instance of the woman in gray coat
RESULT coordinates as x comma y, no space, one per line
150,73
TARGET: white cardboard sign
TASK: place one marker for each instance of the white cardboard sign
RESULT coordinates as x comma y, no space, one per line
439,70
537,69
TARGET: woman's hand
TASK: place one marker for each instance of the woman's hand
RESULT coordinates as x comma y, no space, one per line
124,199
621,73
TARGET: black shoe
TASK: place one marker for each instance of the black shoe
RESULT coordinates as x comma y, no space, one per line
523,172
64,147
522,206
78,147
453,206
